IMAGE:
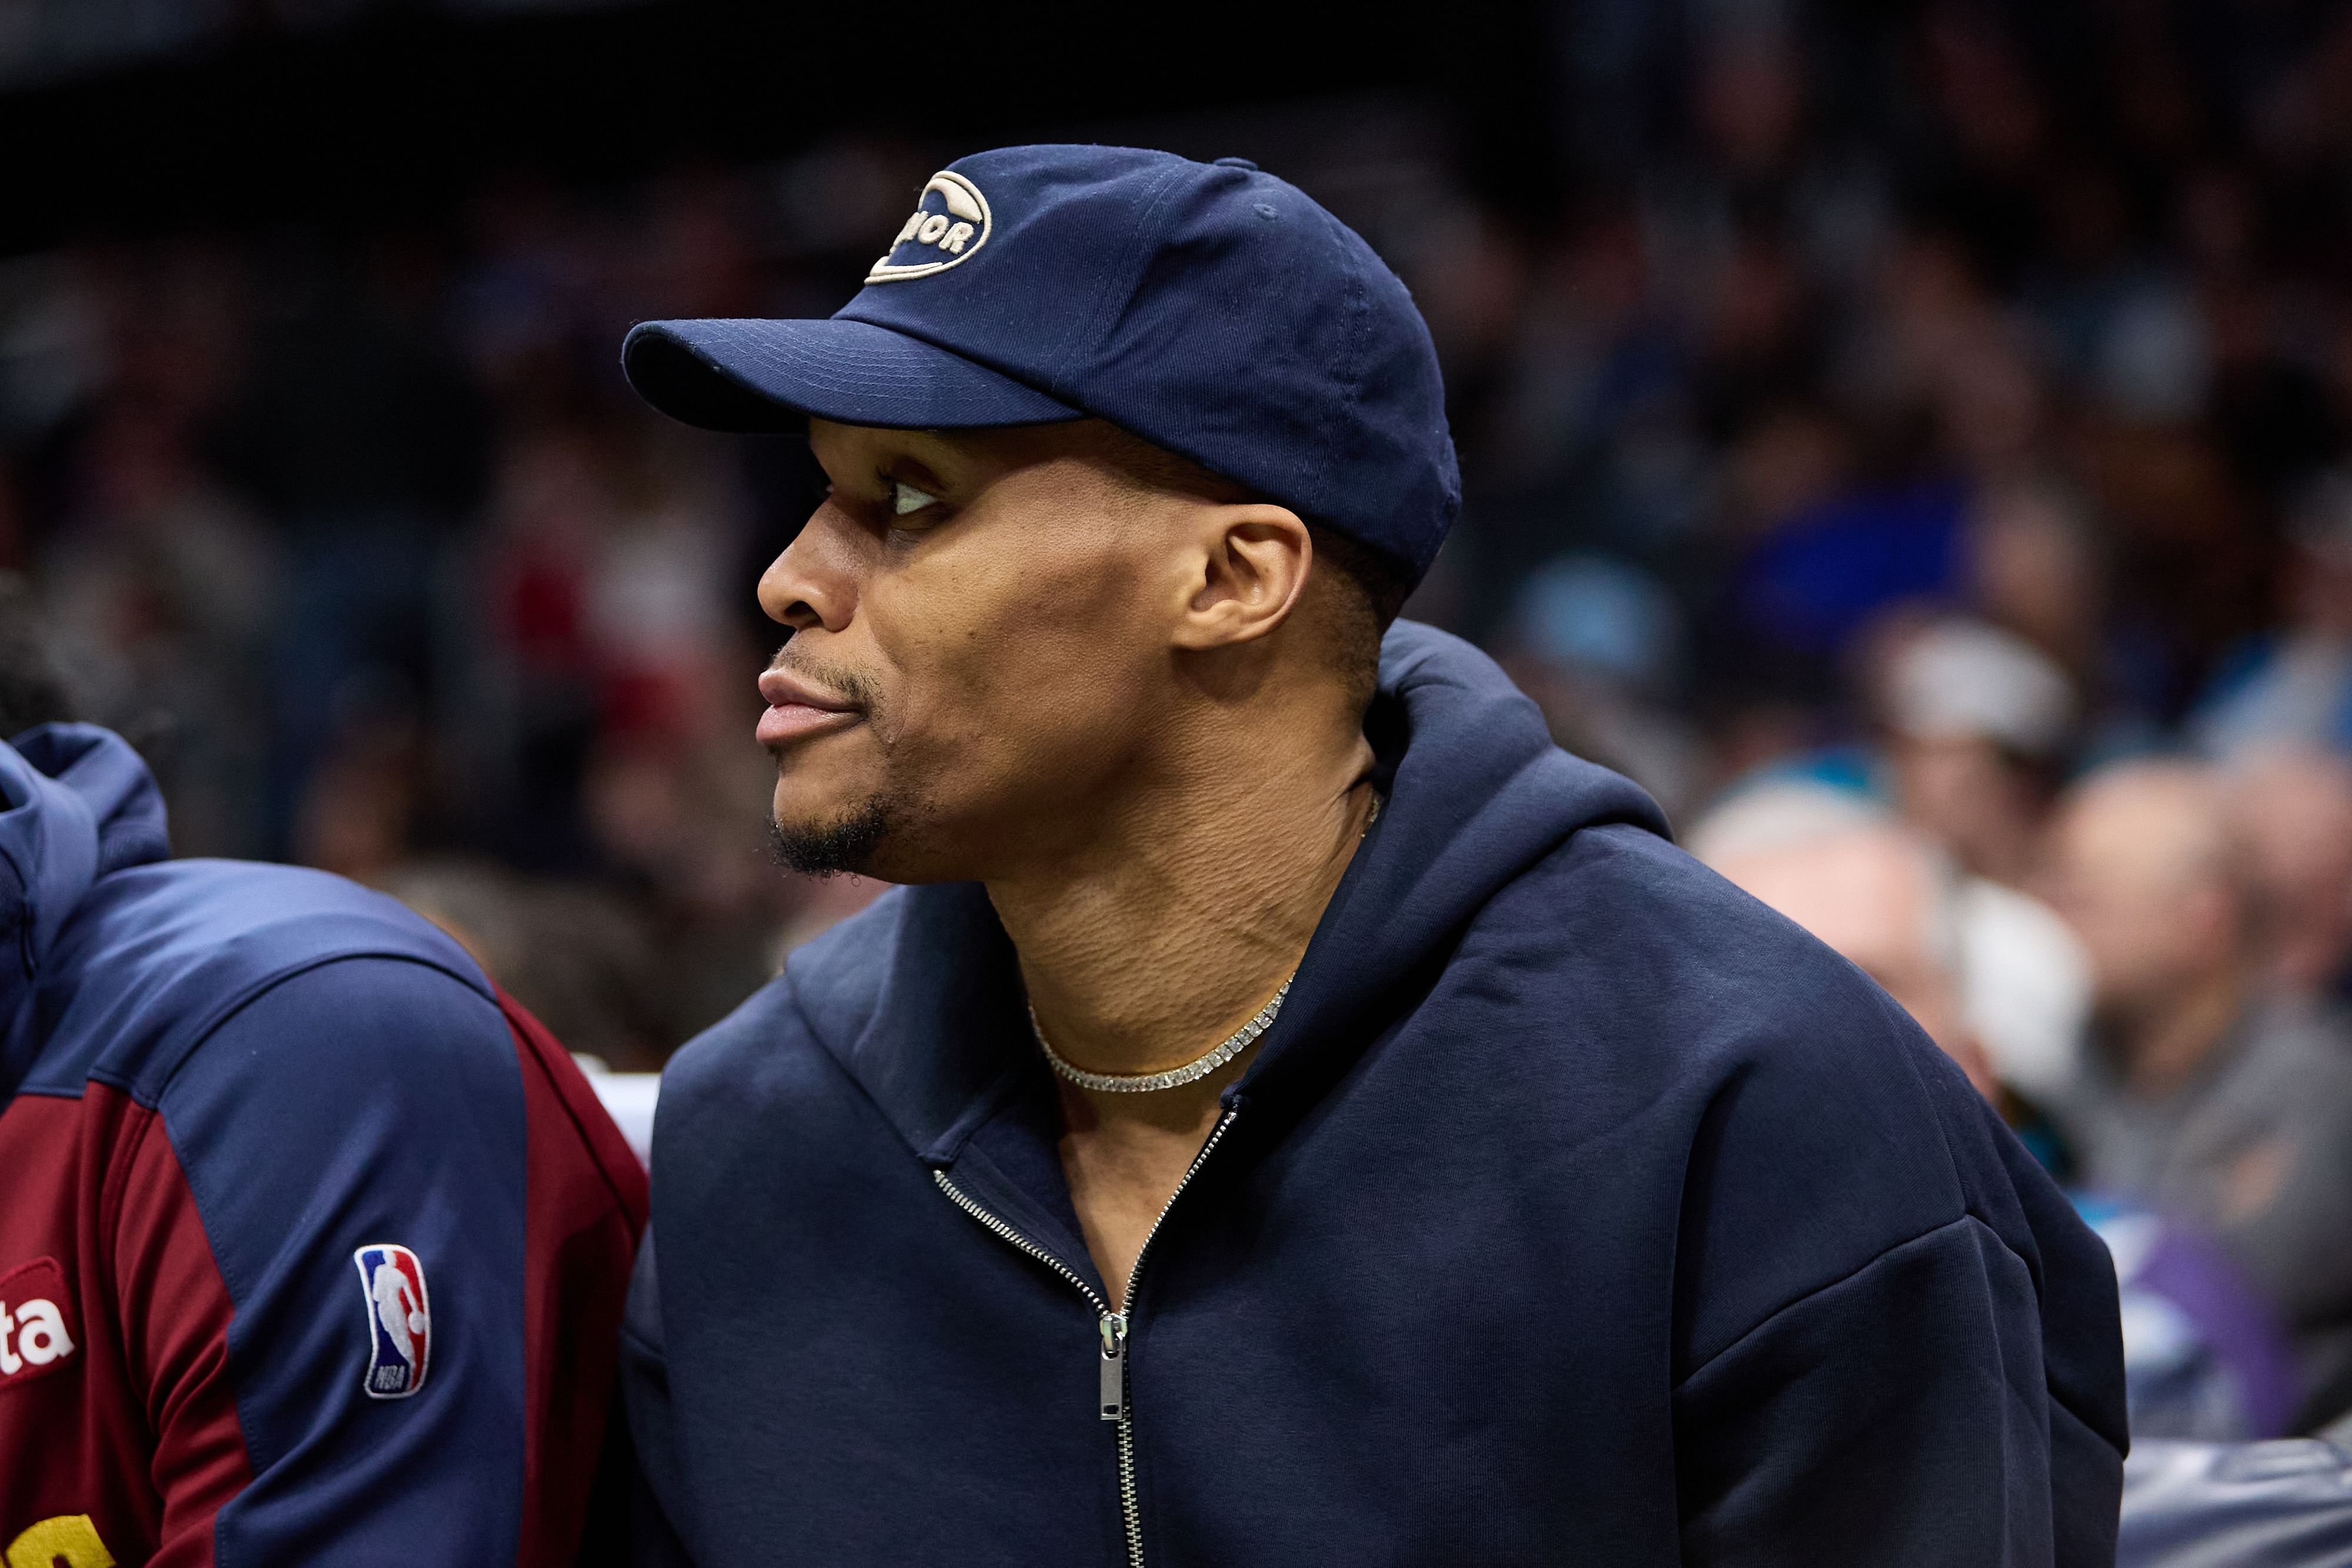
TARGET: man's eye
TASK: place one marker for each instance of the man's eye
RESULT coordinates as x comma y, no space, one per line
905,498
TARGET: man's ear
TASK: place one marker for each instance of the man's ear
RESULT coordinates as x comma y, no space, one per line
1249,574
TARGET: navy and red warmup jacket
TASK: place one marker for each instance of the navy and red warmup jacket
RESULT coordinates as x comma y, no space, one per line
313,1246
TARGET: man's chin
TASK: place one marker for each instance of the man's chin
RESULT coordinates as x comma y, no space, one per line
846,840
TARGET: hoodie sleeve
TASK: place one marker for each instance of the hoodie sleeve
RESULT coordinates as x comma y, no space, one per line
410,1251
1898,1358
1896,1415
645,1386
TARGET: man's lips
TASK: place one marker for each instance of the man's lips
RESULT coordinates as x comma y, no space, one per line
795,709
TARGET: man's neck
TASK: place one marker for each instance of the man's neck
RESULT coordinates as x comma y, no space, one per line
2165,1046
1164,933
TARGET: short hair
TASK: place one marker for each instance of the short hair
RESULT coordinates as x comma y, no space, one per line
32,691
1375,583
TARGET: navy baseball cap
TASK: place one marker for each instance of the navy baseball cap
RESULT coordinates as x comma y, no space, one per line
1211,308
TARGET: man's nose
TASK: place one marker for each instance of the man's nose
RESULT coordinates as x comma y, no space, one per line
813,583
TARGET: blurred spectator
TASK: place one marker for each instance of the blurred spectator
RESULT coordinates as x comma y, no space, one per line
2033,569
2205,1355
2203,1098
161,583
1977,725
2291,818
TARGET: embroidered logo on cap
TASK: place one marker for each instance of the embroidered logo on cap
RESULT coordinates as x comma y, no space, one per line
35,1334
950,224
400,1320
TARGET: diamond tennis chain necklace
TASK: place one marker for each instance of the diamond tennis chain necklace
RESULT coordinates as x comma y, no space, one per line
1225,1050
1232,1045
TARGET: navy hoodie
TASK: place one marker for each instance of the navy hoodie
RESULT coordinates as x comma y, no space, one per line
1577,1209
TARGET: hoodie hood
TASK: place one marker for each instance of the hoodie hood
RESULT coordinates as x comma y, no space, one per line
1476,793
75,804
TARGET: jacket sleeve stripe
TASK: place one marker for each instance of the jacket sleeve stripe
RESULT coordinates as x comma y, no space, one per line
586,1206
175,1317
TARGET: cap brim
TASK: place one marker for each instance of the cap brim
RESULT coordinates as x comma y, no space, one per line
750,375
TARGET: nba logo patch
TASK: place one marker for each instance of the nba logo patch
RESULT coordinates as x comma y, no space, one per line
400,1320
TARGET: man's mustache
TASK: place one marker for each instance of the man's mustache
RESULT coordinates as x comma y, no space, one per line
848,686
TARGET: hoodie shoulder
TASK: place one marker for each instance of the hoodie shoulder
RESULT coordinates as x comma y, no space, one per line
1820,1114
1621,889
1829,1132
818,1007
157,957
1711,985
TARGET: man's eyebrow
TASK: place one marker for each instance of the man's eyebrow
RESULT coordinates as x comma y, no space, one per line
910,454
886,460
915,471
944,455
957,443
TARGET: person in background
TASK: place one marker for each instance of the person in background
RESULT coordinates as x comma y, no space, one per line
2290,814
1978,722
2201,1096
2204,1357
313,1244
1974,724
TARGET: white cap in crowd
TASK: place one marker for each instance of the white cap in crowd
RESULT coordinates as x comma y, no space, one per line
1962,679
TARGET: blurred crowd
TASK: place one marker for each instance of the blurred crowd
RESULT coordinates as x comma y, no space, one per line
1915,443
362,540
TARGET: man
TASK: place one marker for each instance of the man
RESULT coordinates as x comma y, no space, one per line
2290,813
2203,1097
1298,1114
313,1246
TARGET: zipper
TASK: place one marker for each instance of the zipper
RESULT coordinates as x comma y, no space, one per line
1111,1325
964,1201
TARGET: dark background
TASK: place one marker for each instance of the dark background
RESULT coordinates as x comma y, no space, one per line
370,114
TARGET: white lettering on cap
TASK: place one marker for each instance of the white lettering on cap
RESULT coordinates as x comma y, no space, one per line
949,225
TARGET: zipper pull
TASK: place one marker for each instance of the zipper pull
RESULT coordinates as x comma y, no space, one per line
1114,1366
